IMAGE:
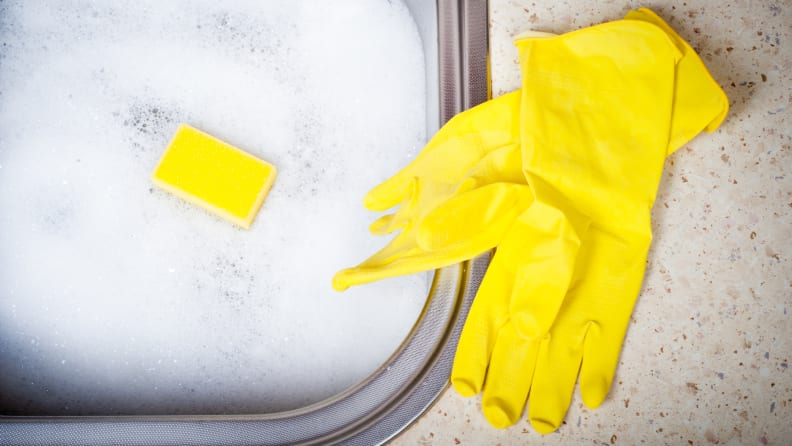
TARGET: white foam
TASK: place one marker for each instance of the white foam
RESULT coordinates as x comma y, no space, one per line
116,297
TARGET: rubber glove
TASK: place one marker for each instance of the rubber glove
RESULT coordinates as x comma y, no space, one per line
474,149
440,172
604,107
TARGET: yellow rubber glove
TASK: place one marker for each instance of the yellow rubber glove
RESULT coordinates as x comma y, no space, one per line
601,109
475,148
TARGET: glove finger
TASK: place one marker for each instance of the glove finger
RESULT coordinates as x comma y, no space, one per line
382,225
390,192
543,244
398,257
607,295
554,382
405,195
560,358
422,196
476,220
509,377
487,315
600,358
405,255
461,143
409,207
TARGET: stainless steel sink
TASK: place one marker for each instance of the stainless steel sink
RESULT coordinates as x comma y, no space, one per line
454,35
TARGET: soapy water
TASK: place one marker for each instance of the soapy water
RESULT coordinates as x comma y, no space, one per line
118,298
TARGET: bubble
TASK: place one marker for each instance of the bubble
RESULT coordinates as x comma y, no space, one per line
153,305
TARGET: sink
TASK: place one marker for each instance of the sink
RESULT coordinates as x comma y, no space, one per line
454,39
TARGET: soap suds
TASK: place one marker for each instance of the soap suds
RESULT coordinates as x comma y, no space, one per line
116,297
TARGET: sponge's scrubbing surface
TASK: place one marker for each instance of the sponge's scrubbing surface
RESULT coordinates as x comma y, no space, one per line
214,175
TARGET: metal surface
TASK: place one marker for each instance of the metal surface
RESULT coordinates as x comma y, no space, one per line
401,390
463,55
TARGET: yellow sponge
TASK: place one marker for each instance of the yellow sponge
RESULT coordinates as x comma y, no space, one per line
214,175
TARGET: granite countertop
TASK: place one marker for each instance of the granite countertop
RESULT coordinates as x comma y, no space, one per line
706,358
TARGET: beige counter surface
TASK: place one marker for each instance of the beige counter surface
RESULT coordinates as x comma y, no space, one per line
707,356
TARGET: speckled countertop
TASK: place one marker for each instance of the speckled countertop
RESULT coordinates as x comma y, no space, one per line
706,359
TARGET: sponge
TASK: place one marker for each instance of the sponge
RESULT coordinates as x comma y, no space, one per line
214,175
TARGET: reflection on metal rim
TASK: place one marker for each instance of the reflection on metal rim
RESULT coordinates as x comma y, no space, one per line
380,407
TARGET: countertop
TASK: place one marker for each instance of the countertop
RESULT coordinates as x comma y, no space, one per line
706,357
